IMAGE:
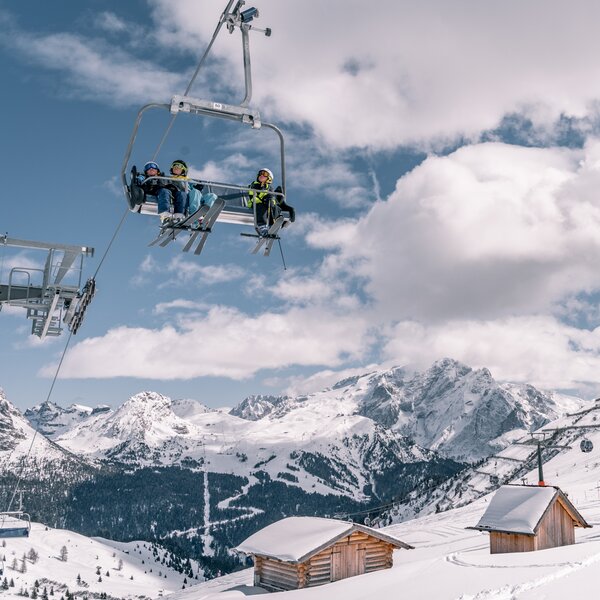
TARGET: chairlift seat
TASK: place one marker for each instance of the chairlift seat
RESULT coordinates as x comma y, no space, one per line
14,524
236,210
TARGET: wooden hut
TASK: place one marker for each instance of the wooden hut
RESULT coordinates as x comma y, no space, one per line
523,518
300,552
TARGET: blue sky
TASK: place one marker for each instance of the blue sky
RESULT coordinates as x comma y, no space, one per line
444,162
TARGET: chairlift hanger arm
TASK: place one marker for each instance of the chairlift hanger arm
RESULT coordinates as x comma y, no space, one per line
134,136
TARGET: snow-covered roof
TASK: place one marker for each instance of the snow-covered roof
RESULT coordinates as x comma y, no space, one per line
295,539
520,508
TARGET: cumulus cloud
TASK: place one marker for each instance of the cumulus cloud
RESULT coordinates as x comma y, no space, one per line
224,342
490,230
408,73
539,349
97,70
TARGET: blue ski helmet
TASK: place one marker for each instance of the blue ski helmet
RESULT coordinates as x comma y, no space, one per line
151,165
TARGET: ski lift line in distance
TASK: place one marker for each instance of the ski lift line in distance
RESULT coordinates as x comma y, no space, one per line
14,524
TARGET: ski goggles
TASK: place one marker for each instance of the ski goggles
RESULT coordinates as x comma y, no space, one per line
178,166
151,166
263,174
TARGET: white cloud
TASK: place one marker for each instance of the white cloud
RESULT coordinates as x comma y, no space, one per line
297,385
110,22
406,73
539,350
490,230
99,71
178,305
224,342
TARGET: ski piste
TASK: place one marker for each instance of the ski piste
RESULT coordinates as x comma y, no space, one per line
169,232
206,226
269,238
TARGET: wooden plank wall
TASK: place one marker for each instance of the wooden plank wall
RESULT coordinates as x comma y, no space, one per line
556,528
354,555
278,575
510,542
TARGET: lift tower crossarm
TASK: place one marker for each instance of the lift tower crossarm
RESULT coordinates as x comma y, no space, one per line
6,241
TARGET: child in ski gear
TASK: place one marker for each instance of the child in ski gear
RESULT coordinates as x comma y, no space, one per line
194,198
163,193
267,206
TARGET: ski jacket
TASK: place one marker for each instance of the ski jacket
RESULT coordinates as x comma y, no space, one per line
153,186
181,184
259,193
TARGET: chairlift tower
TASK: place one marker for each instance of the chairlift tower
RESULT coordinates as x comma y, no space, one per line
43,292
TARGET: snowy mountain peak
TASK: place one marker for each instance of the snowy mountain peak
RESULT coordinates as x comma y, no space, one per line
461,412
256,407
11,424
51,419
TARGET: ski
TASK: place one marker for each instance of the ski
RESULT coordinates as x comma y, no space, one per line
177,228
209,220
169,232
269,238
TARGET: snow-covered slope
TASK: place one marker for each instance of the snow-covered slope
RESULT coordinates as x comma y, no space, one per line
360,427
450,562
92,566
515,463
44,456
151,429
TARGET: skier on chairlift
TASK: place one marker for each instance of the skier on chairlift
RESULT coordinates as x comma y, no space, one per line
195,198
267,206
164,192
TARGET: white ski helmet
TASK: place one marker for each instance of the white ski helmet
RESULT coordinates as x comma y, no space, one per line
268,172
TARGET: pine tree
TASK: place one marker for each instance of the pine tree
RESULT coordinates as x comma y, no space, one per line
120,567
64,554
34,594
45,594
11,583
78,578
5,584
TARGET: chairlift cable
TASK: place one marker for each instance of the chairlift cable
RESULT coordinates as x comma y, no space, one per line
36,429
111,242
193,79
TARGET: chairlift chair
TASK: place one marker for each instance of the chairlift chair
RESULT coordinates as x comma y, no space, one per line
586,445
235,209
14,524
